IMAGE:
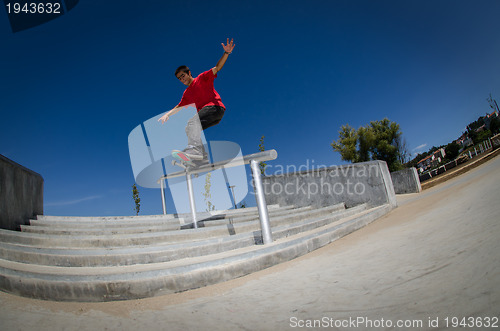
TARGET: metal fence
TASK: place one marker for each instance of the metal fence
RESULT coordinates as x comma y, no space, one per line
480,148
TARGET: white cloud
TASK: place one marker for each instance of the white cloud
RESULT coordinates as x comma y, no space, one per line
72,202
419,147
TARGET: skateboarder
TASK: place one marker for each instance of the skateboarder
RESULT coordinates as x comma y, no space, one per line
209,106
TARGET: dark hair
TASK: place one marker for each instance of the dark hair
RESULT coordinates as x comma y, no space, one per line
183,69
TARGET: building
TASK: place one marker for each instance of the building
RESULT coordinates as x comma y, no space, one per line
489,117
464,141
431,161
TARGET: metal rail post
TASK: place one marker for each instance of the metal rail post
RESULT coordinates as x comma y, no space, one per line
234,199
162,187
261,204
192,203
253,160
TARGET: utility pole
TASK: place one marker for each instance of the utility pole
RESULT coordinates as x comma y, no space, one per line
493,103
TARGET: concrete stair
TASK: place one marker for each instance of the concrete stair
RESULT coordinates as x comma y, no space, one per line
121,258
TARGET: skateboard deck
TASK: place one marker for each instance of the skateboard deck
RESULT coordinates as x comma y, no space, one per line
179,155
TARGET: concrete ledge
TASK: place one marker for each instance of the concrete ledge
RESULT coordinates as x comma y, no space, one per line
21,194
353,184
406,181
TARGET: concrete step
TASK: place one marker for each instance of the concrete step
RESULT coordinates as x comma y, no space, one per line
74,257
159,225
106,239
176,221
151,279
93,220
272,215
228,219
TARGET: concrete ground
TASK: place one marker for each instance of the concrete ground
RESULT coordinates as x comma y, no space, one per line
433,259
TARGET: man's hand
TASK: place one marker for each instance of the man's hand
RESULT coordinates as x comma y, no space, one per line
164,118
171,112
229,47
227,50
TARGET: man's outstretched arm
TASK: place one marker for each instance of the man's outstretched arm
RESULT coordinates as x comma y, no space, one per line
173,111
228,49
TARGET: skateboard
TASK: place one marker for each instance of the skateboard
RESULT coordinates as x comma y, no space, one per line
183,158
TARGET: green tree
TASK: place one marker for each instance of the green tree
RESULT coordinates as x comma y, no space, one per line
495,125
403,151
137,200
474,136
347,143
483,135
385,136
452,150
379,140
366,141
472,127
262,165
207,194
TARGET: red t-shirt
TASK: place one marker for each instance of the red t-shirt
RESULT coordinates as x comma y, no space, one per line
201,92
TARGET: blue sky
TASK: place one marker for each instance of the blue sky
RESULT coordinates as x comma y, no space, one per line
75,87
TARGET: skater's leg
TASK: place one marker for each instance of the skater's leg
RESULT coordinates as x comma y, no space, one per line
194,148
210,116
206,117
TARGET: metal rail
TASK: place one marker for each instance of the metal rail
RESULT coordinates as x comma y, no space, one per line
259,157
253,160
